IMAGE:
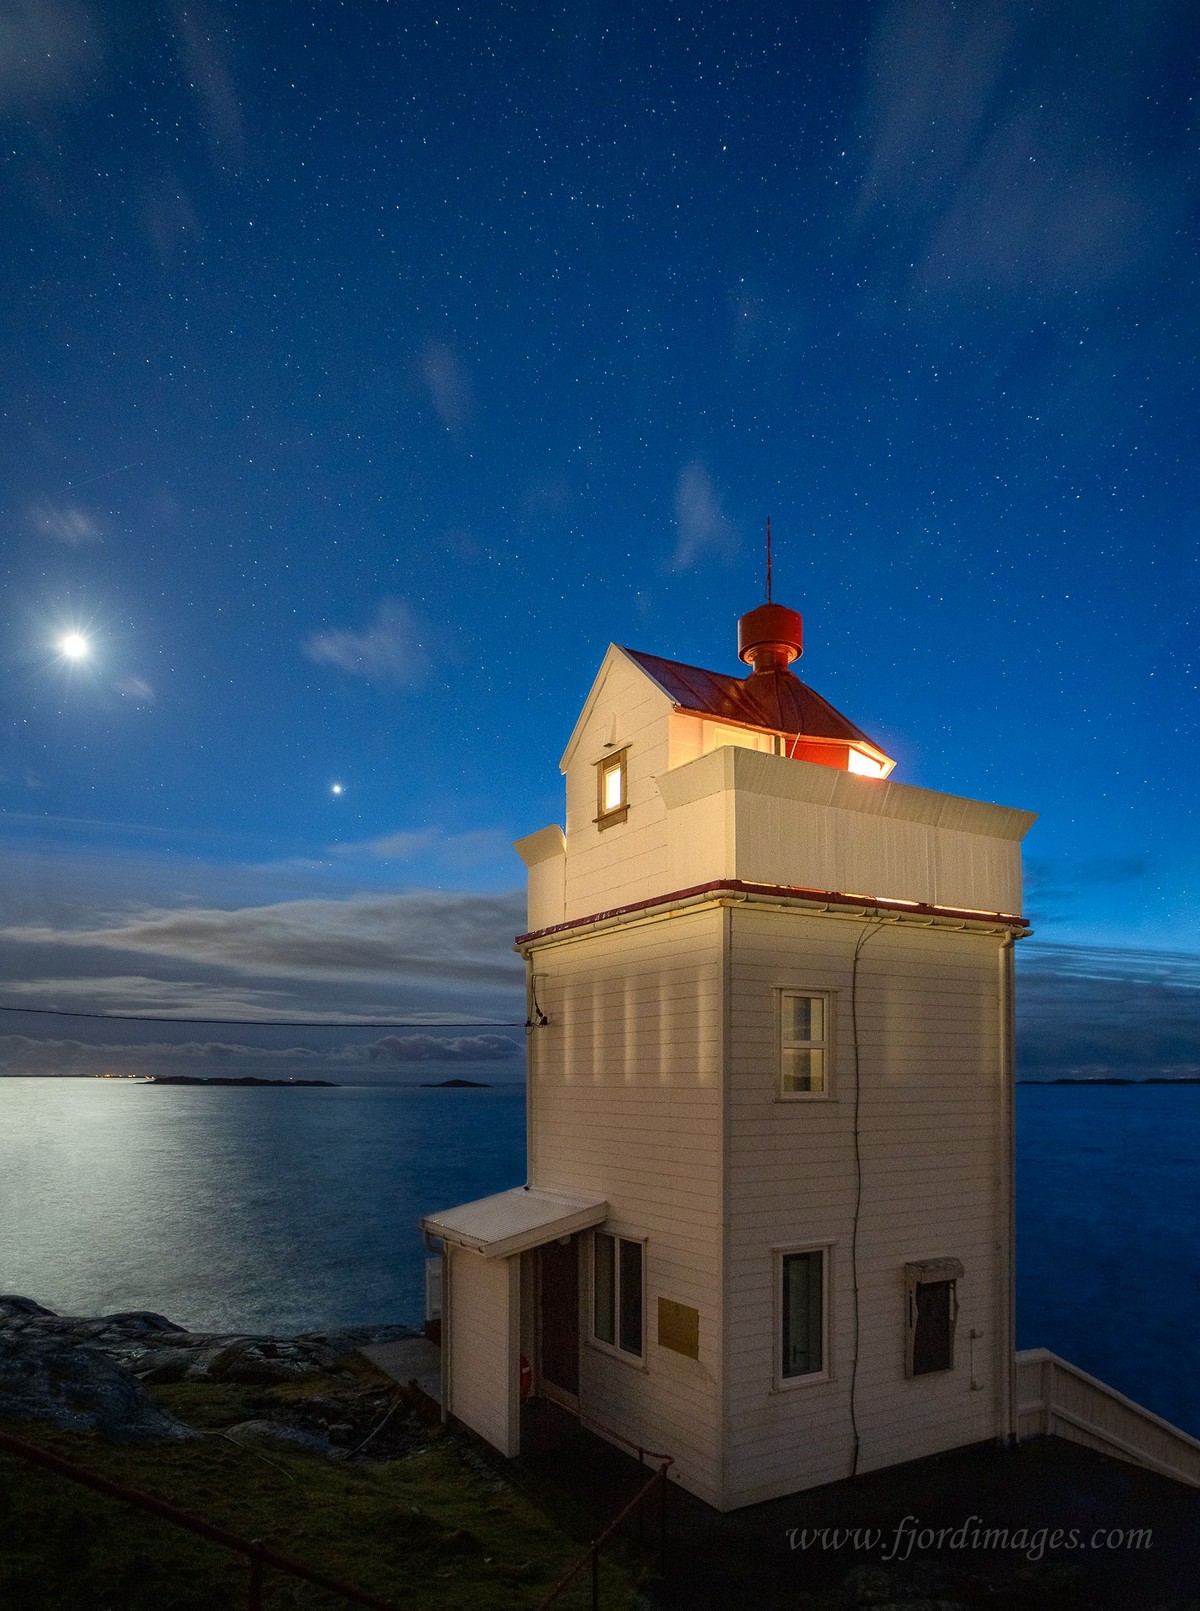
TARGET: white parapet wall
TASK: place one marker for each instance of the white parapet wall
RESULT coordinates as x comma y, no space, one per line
1058,1399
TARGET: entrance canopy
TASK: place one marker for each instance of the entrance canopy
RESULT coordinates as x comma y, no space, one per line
514,1221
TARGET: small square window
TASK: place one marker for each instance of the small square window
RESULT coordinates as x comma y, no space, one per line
804,1043
612,789
617,1288
802,1316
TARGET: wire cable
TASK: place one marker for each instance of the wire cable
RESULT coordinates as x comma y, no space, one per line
868,931
274,1023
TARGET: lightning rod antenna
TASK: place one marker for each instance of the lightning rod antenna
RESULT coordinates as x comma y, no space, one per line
768,559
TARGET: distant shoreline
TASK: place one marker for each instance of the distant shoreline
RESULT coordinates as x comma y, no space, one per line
1117,1079
222,1079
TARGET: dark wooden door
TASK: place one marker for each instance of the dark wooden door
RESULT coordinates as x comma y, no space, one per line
559,1286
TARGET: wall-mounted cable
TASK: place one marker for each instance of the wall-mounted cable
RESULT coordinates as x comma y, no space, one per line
868,931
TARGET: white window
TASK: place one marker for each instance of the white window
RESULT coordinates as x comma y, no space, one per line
803,1299
618,1274
804,1042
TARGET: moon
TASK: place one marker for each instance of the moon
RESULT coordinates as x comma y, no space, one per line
73,645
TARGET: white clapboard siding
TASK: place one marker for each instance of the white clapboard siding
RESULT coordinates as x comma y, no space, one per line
933,1149
1057,1398
626,1102
619,865
484,1312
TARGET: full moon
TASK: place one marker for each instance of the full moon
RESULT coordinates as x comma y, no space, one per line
74,645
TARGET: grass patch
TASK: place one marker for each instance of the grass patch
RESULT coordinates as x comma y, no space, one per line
436,1528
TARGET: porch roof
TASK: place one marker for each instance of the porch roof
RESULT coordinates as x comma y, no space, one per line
514,1221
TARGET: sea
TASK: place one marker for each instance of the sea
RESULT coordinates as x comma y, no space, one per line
271,1209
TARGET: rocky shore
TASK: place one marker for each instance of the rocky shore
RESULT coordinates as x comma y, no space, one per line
94,1374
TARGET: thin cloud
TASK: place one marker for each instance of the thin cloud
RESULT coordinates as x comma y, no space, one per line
703,531
48,49
207,71
995,163
25,1054
391,650
431,844
64,522
1054,888
136,689
446,380
440,1049
1095,1012
429,935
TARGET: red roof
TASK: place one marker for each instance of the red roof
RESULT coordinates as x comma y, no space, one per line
775,700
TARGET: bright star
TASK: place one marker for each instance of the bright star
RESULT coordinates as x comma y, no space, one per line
73,645
336,789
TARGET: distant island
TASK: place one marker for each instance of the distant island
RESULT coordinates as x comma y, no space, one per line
441,1085
227,1079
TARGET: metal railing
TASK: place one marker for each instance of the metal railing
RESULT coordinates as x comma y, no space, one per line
260,1555
591,1556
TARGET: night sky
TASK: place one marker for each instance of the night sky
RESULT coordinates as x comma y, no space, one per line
365,369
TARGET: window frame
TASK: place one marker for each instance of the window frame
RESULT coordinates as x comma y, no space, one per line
614,1349
782,993
616,759
784,1383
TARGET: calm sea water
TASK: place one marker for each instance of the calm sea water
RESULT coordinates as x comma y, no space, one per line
289,1210
1108,1236
230,1209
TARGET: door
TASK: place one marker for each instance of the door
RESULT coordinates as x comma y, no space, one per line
559,1302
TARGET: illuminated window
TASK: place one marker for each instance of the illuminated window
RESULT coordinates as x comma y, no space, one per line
612,789
863,765
802,1314
804,1043
617,1269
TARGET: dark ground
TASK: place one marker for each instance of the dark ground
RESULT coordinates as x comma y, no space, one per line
753,1559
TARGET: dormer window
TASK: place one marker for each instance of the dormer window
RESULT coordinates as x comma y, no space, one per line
612,789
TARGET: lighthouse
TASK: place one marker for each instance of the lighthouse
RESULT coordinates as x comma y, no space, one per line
768,1220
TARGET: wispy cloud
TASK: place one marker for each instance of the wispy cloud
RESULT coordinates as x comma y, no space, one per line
206,68
25,1054
1054,888
390,650
703,531
438,1049
997,162
431,844
48,48
1092,1011
420,935
64,522
136,689
447,382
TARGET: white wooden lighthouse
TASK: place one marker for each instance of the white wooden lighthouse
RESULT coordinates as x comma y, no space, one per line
768,1226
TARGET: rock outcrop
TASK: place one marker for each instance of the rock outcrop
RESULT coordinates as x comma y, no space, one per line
91,1374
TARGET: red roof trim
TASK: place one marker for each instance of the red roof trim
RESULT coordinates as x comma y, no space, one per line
826,897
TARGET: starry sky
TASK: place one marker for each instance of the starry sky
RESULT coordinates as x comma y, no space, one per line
366,368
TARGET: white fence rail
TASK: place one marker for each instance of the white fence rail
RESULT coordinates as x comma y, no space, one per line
1057,1398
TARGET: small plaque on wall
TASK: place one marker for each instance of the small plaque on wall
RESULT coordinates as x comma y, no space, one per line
679,1328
